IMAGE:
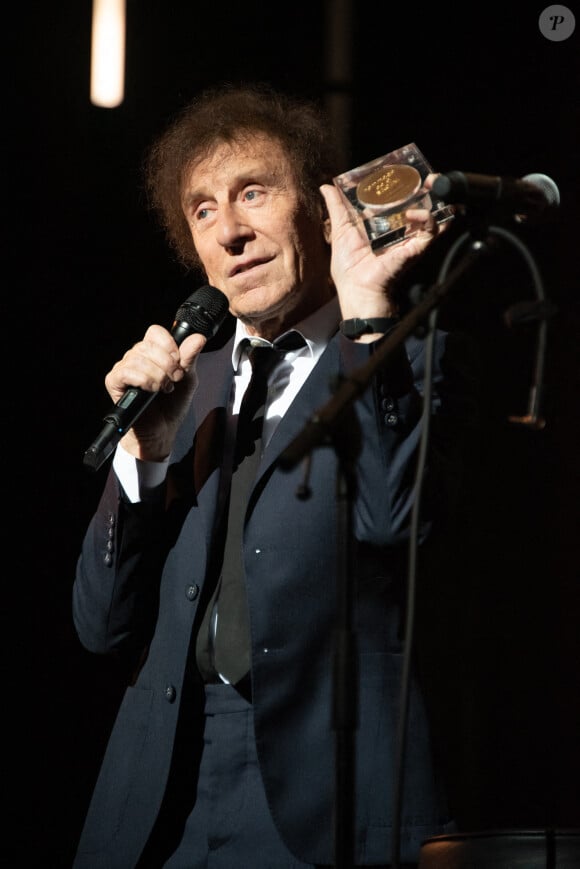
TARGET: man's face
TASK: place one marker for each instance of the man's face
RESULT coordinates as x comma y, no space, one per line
254,238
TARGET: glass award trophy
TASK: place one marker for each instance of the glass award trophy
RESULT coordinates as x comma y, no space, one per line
378,194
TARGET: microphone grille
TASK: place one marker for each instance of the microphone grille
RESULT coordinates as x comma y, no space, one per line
203,312
211,301
547,185
208,298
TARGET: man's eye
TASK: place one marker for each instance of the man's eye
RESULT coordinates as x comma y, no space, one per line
201,213
251,194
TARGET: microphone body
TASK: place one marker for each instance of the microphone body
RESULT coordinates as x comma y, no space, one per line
203,312
530,198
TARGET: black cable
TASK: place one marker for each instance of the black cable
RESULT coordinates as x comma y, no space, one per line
411,591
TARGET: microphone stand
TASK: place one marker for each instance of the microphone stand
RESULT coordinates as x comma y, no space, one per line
346,440
335,422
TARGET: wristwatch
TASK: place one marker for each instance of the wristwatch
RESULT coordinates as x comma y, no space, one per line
356,327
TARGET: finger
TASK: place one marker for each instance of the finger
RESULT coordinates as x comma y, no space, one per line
421,222
336,207
430,180
158,337
419,215
149,364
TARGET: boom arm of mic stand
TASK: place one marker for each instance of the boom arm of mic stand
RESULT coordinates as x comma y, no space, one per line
318,429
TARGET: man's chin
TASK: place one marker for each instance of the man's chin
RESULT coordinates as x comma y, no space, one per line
257,301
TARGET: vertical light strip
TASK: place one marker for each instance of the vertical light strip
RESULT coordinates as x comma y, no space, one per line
108,53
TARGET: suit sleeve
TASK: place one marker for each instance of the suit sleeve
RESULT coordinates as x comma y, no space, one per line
389,423
117,575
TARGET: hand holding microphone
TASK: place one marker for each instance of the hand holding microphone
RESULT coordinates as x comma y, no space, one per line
152,367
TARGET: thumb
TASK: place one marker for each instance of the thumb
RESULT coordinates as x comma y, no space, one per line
341,219
189,350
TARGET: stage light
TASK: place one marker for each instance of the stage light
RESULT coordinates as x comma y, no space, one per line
108,53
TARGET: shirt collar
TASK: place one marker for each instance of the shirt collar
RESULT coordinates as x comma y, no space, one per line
316,329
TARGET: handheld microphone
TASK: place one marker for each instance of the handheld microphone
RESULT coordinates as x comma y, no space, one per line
532,197
203,312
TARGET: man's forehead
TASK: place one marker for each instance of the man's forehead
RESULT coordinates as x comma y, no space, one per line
251,149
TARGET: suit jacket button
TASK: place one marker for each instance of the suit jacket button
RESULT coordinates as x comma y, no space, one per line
192,591
170,693
388,404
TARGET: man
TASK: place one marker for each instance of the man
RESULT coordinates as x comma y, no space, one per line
210,766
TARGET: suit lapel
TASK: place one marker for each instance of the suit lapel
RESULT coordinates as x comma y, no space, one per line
315,392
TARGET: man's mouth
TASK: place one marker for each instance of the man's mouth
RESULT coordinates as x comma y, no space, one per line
239,268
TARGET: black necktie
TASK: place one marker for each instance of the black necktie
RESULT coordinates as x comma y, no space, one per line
226,625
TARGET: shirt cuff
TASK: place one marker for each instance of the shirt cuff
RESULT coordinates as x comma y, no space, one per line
136,477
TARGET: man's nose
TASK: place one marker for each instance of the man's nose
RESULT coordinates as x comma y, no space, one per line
232,226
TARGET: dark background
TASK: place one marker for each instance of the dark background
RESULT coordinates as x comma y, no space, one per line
87,271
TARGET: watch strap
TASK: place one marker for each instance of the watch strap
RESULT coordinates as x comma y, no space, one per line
357,326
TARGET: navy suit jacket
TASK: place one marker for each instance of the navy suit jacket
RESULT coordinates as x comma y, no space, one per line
140,585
